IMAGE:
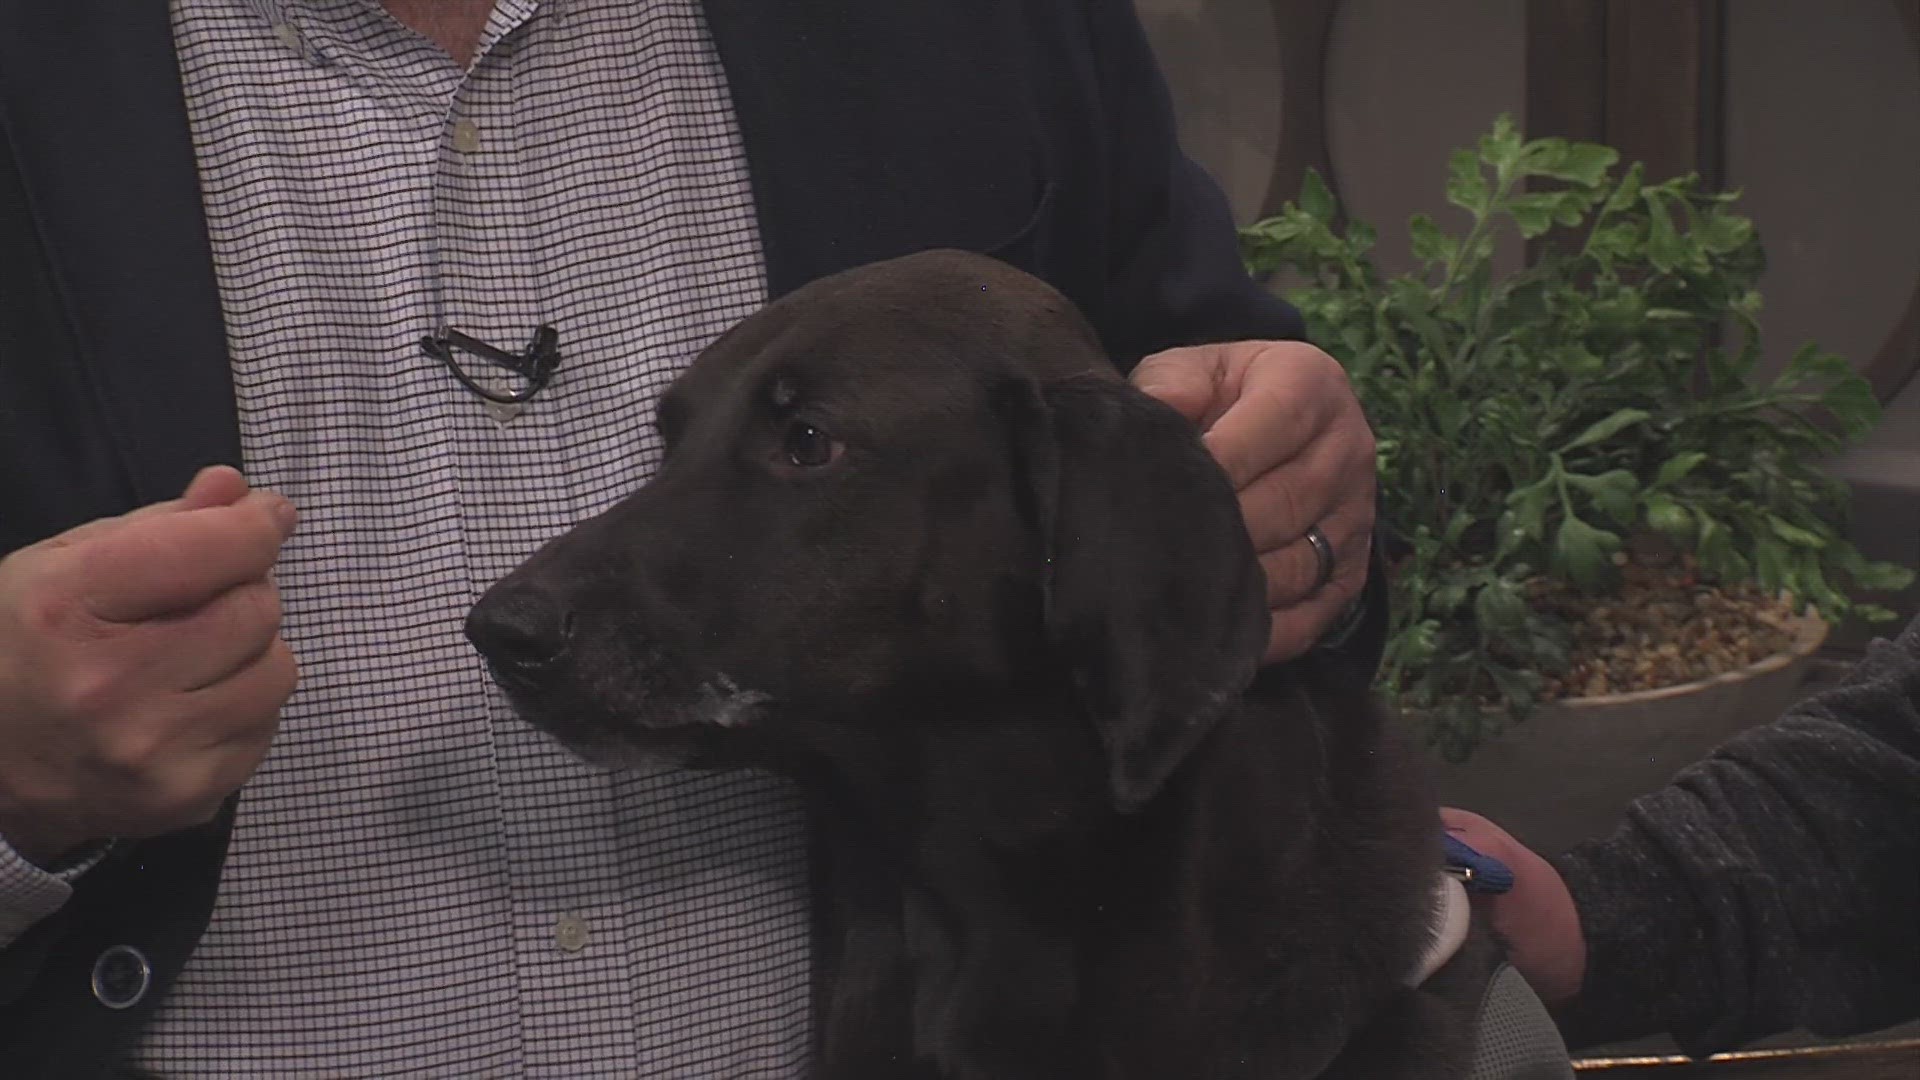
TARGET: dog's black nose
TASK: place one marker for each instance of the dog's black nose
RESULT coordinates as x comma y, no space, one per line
521,631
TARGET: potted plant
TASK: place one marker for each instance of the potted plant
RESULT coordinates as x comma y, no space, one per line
1590,497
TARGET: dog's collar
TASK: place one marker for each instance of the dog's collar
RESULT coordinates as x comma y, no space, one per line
1451,915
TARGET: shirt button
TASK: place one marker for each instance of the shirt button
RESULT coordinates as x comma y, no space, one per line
288,36
466,136
121,976
570,933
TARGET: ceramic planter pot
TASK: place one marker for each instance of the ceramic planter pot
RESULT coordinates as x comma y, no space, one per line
1568,772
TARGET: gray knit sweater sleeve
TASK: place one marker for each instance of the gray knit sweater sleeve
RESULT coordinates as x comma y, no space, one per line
1773,886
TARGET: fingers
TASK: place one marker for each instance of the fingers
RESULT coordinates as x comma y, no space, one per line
1297,628
1301,454
164,563
1331,485
1282,398
215,485
235,629
187,768
1270,425
1280,414
247,705
1293,569
1190,380
1300,623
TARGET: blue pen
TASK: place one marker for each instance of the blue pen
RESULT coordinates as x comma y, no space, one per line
1479,873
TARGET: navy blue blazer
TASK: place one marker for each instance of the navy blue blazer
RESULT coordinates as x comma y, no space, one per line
1039,132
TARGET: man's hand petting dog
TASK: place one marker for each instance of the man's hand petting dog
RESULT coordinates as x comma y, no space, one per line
1284,423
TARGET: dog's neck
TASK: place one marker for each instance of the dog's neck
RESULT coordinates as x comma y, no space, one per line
960,868
1021,900
990,797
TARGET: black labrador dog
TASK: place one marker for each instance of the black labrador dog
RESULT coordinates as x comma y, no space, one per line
917,546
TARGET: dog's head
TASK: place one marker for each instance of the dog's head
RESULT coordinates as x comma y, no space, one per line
915,482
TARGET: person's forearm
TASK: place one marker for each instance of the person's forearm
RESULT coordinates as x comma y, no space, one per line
1773,886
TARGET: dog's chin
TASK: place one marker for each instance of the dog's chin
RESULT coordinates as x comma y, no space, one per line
650,729
653,756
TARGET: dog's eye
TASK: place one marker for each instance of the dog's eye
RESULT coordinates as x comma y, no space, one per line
807,447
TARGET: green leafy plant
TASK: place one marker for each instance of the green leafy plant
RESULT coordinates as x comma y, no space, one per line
1531,423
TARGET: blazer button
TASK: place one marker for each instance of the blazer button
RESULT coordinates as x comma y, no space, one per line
121,976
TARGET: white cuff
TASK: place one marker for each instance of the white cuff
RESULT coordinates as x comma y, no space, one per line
29,893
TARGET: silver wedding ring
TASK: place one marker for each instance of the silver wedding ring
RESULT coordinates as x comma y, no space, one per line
1323,554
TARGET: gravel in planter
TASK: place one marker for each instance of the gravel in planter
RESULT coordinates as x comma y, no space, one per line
1662,628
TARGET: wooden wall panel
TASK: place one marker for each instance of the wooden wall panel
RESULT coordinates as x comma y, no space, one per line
1567,69
1660,59
1897,361
1305,27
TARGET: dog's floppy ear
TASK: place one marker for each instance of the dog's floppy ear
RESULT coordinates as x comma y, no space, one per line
1155,598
